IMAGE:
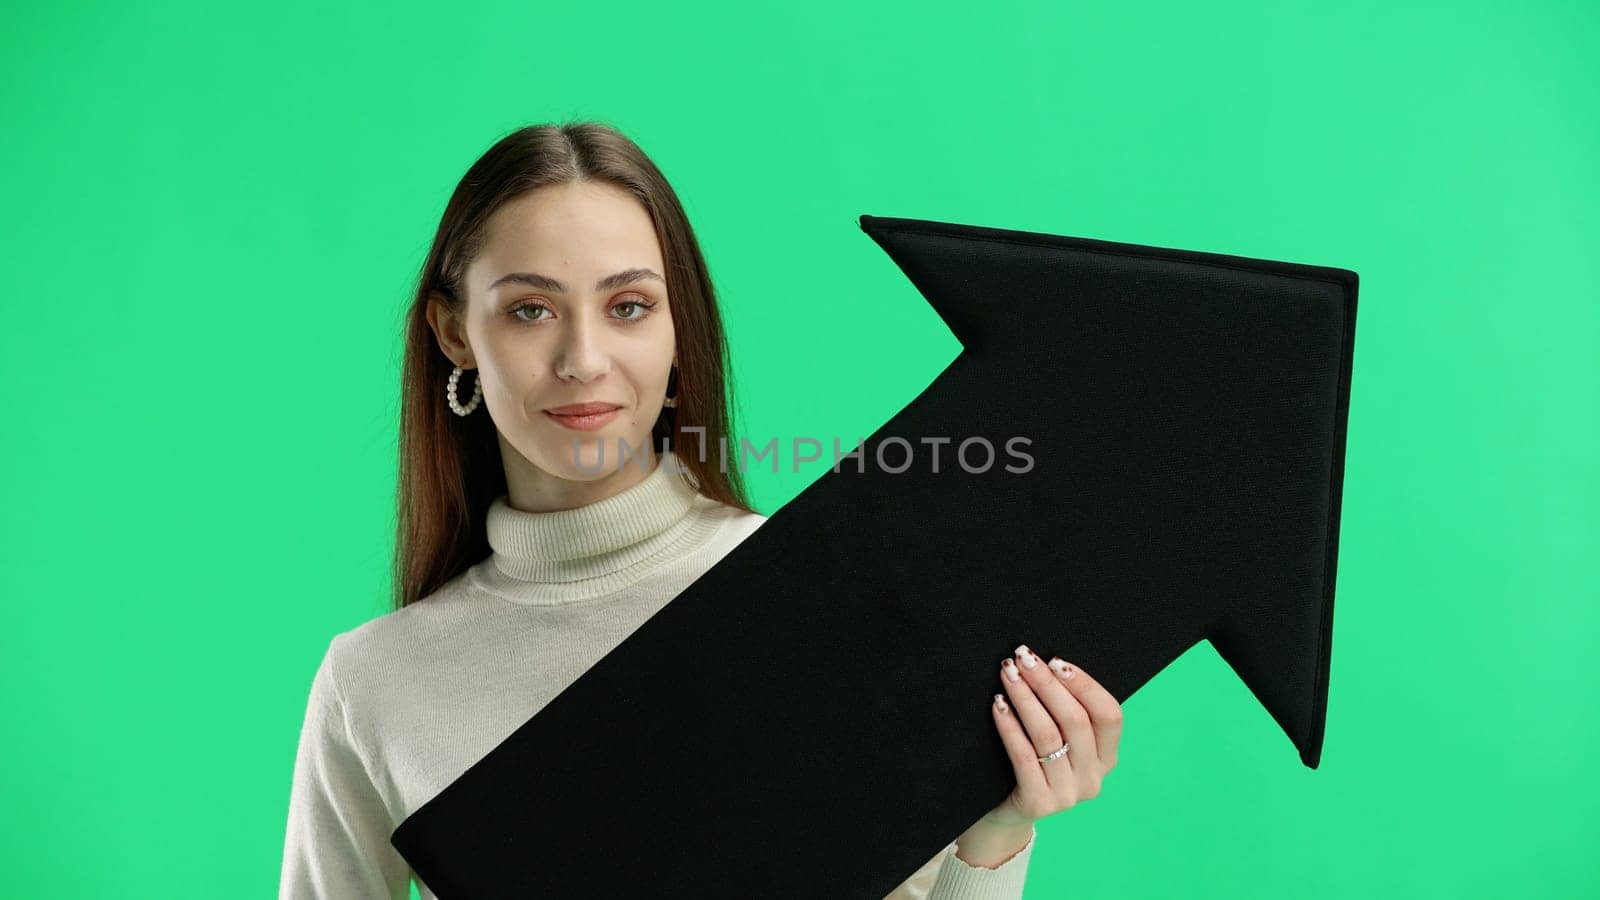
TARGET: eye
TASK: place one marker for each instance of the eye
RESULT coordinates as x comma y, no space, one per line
525,306
640,309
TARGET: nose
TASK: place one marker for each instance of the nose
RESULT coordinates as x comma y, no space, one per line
580,355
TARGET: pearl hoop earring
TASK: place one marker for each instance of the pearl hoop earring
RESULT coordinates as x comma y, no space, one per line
477,393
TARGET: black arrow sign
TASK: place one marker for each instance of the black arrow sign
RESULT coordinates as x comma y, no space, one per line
821,693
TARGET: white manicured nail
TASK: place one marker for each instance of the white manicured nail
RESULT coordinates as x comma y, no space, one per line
1029,661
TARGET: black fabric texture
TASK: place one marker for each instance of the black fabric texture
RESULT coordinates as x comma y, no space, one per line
822,693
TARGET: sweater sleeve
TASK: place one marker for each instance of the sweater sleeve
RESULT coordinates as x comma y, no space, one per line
947,877
337,841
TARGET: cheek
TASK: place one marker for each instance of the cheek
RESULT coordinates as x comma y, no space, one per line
513,385
516,367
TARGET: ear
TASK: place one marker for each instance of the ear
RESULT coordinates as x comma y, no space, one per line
450,331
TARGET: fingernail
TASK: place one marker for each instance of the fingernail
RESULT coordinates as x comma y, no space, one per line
1028,659
1061,668
1000,702
1010,668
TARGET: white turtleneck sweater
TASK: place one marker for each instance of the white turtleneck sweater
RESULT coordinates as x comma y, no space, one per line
403,705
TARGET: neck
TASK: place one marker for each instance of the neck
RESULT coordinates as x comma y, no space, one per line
598,547
532,489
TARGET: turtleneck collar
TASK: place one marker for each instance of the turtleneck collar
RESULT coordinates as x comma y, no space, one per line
575,553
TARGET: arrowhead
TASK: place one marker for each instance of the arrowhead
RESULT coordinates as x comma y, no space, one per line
1220,384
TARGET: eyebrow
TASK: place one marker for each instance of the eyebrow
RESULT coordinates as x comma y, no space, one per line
546,283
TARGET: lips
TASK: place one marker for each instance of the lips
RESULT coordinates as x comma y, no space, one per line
591,408
583,416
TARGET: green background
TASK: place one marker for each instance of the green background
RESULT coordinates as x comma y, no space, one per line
214,215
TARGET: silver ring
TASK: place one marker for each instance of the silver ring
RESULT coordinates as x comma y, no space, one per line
1058,754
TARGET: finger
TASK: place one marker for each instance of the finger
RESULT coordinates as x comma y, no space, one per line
1041,727
1071,720
1030,777
1103,709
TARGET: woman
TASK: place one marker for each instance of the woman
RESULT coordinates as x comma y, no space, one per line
565,278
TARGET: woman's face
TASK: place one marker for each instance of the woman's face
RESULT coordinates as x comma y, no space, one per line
567,305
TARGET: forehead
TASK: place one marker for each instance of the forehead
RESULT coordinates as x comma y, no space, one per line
574,229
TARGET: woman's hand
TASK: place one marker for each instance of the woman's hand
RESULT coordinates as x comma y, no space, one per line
1051,704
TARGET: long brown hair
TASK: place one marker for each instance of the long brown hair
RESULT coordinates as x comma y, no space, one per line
450,467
